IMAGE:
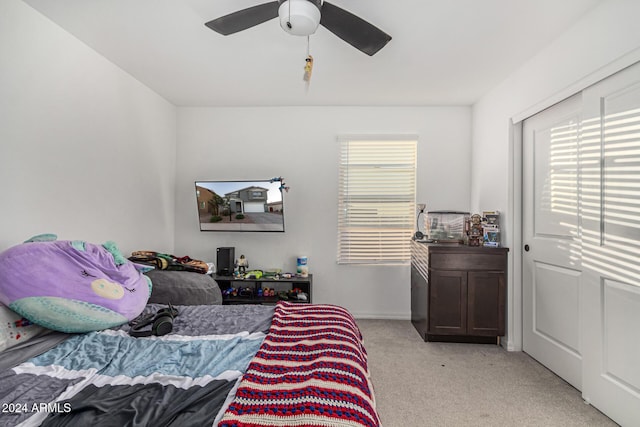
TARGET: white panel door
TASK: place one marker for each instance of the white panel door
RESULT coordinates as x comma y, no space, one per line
610,165
551,226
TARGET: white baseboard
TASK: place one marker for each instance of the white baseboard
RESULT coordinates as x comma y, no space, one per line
380,316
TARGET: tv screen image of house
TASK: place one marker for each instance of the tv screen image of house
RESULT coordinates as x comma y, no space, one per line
240,205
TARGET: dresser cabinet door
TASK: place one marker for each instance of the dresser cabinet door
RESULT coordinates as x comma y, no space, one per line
485,303
448,303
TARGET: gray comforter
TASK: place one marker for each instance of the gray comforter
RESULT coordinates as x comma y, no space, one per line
109,378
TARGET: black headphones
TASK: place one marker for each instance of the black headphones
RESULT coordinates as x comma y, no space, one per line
161,323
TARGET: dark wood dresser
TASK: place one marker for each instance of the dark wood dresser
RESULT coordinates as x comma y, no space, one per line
458,292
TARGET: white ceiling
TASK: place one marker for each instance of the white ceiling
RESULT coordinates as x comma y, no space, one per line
443,52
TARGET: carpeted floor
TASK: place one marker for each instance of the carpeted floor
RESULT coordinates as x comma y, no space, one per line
420,384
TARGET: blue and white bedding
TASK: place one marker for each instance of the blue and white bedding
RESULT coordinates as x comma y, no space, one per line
109,378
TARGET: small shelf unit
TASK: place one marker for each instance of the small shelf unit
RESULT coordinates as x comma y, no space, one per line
279,285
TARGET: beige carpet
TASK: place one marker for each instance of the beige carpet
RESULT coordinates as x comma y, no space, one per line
419,384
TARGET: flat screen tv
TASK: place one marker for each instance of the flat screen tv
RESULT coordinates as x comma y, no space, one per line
240,205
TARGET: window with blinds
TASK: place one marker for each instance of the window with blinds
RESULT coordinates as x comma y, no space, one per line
376,200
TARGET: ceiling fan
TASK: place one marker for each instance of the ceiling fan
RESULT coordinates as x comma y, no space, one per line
302,17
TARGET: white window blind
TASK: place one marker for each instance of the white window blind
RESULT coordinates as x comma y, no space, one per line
376,200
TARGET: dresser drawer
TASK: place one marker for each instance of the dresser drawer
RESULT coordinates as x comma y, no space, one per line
468,261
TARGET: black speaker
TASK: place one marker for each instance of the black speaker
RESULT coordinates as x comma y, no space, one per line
225,261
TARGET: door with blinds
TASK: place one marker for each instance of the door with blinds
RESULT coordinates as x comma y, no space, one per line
551,260
610,199
581,222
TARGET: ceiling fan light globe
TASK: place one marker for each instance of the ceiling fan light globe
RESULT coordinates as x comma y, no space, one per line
299,17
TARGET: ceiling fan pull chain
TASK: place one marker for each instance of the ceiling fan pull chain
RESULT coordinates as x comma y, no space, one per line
308,67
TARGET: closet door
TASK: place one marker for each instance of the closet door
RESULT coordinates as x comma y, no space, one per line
551,235
610,199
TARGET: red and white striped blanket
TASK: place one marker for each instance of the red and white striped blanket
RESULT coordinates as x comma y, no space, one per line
311,370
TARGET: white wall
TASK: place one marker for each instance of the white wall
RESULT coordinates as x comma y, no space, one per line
86,151
299,143
605,40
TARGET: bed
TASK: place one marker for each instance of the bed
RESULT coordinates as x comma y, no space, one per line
90,338
221,365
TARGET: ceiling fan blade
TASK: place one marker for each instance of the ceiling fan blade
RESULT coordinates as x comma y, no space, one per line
352,29
245,18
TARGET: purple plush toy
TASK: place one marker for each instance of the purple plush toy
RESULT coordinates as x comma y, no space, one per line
71,286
